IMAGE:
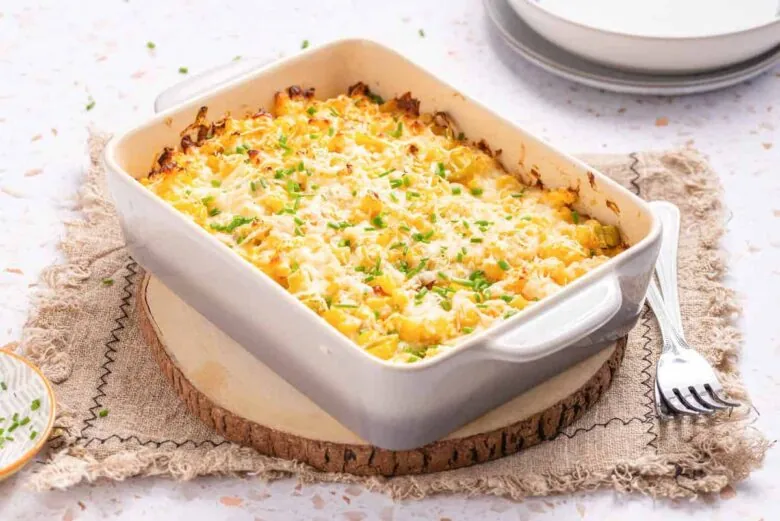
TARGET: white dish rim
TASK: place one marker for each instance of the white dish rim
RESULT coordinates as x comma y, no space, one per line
634,36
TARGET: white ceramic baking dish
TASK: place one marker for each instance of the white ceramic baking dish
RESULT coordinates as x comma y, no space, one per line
391,406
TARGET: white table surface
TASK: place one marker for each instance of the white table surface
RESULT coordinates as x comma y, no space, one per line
56,55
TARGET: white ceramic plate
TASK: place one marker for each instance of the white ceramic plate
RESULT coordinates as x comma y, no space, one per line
26,412
657,36
513,38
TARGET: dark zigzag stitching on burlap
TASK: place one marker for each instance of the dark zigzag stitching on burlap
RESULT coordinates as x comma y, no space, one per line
129,287
648,382
156,444
624,423
110,350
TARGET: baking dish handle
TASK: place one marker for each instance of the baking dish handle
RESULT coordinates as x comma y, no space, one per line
200,83
561,325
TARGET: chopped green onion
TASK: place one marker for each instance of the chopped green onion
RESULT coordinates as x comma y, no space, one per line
575,216
387,172
376,98
461,136
216,183
252,186
421,33
477,191
24,421
312,111
33,434
468,330
304,44
504,265
35,405
456,190
520,194
150,45
91,104
346,306
506,298
440,170
183,70
331,131
446,305
103,413
378,222
108,282
476,240
235,223
398,130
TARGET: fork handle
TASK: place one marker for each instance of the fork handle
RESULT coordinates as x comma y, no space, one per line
669,333
666,266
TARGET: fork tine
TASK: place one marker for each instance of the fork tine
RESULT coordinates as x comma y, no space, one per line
705,400
661,407
718,399
688,403
675,406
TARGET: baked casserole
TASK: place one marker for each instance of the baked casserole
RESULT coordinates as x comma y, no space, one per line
389,224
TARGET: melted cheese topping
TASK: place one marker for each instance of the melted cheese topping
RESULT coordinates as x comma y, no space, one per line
392,228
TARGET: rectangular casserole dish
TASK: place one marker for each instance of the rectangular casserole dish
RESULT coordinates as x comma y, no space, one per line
389,405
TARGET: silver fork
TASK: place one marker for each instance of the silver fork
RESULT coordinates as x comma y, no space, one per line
685,381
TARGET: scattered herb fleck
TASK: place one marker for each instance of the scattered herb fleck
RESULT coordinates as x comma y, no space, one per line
108,282
183,70
421,33
304,44
150,45
103,413
90,104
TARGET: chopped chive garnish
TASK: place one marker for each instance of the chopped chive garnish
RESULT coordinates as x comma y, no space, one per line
235,223
525,218
216,183
35,405
440,170
150,45
345,243
304,44
395,183
376,98
263,183
334,112
575,216
477,191
214,212
3,386
405,228
446,305
519,194
398,130
378,222
183,70
412,195
468,330
252,186
461,136
405,179
504,265
421,33
387,172
347,306
456,190
33,434
311,111
108,282
506,298
298,221
90,104
443,275
24,421
331,131
476,240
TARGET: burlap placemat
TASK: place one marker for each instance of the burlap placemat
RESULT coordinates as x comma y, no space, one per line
118,417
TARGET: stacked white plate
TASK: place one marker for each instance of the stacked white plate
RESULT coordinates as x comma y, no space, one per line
663,47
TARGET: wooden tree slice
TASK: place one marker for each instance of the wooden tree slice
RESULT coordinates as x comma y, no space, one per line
245,402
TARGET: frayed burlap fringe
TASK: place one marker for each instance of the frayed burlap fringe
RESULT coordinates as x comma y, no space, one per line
707,460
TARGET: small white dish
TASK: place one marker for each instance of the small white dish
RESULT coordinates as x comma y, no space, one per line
658,36
512,37
26,412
